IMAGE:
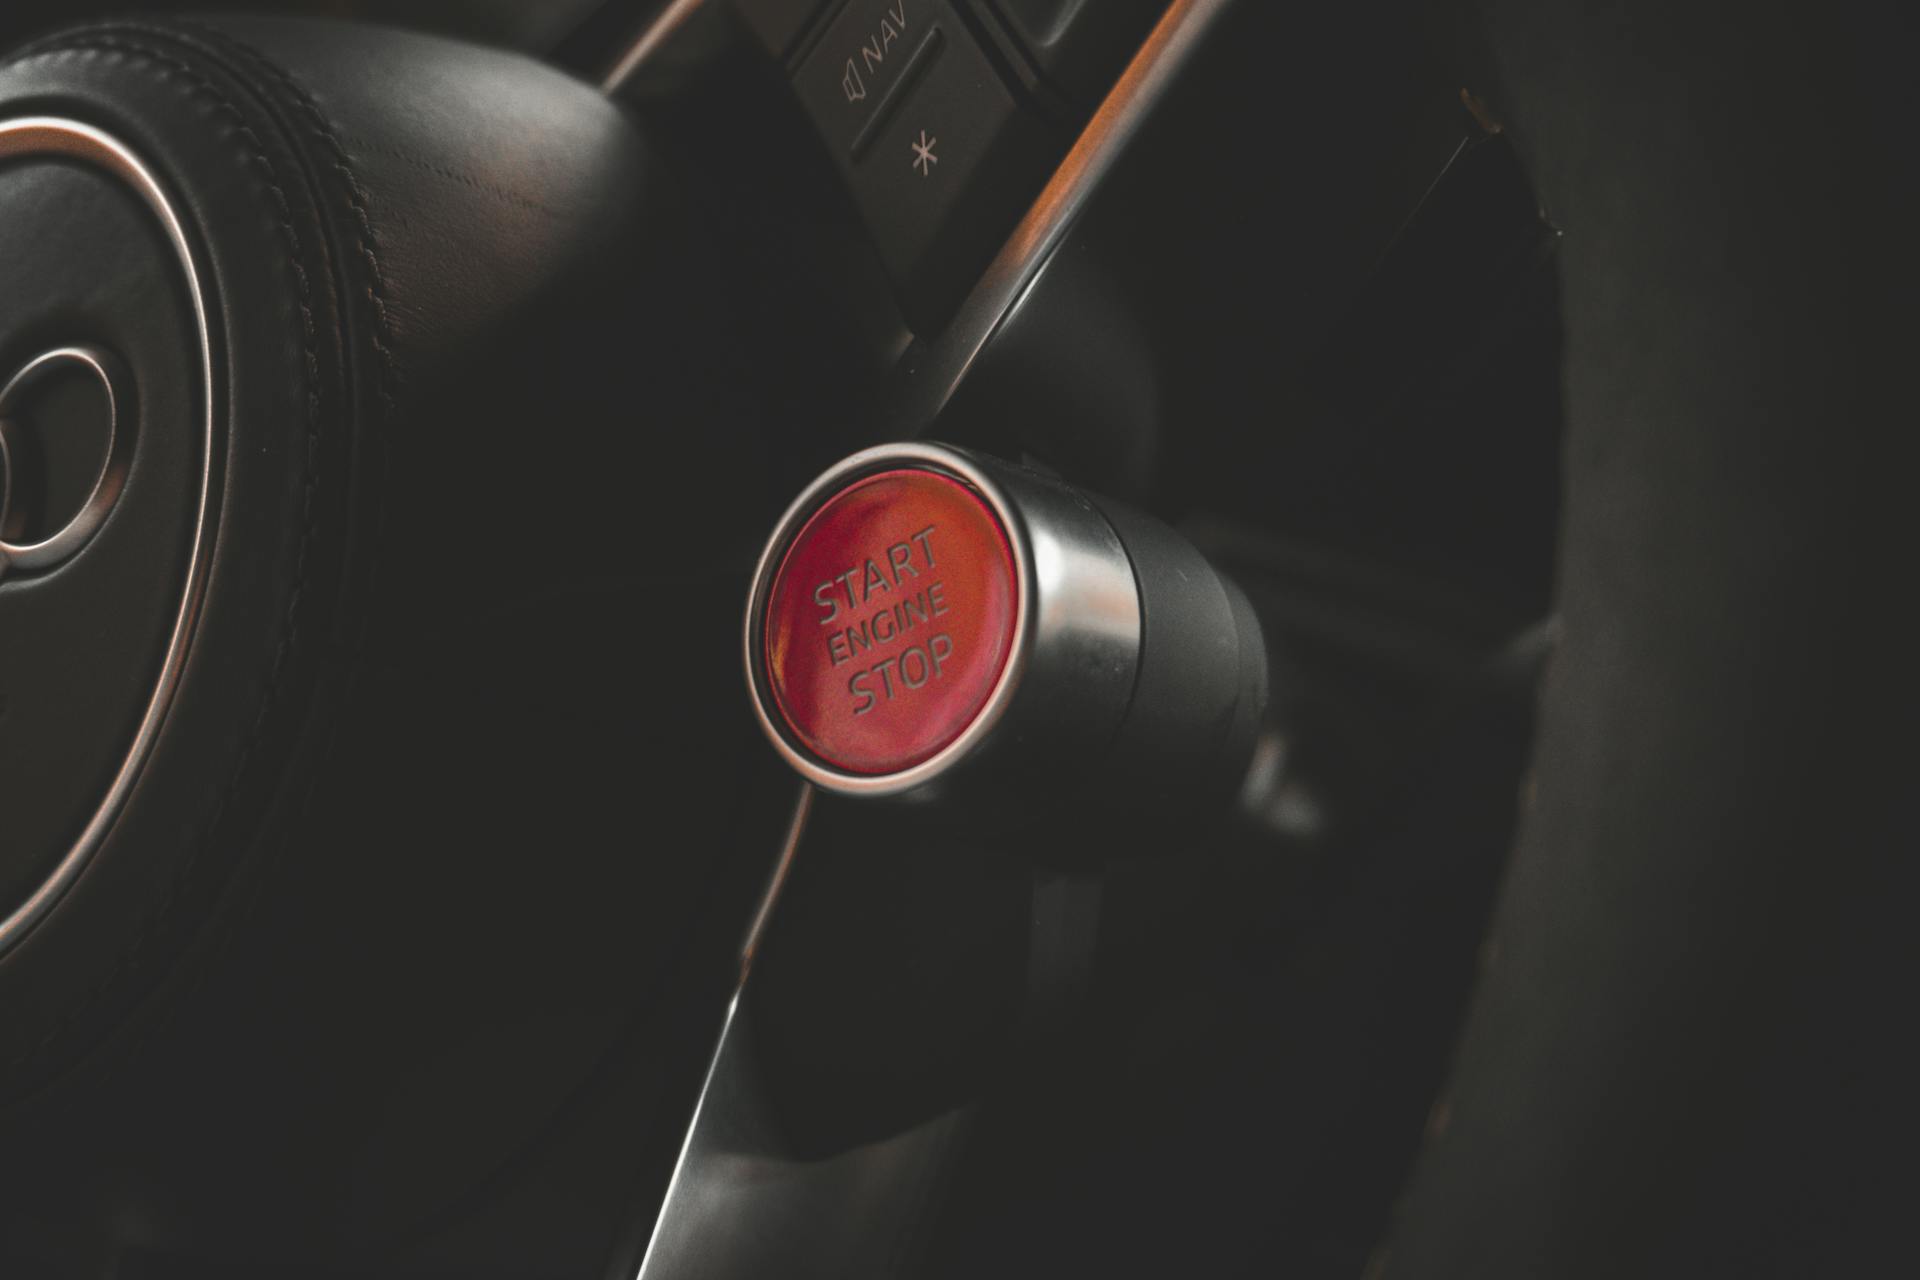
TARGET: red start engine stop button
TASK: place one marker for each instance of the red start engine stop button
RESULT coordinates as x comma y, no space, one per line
889,621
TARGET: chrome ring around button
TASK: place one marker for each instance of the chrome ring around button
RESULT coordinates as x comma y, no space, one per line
62,543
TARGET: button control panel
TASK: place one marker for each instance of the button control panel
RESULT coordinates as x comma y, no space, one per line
945,117
941,153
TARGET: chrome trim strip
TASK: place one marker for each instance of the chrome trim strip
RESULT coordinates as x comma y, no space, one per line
6,479
52,135
763,914
668,21
676,1185
796,828
931,374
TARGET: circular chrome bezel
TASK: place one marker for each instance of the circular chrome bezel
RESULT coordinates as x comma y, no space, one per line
929,457
65,542
28,136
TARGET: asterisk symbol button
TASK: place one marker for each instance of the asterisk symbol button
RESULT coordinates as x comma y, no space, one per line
923,157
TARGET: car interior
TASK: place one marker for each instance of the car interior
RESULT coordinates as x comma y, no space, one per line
704,639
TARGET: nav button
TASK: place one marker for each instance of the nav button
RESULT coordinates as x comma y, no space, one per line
871,51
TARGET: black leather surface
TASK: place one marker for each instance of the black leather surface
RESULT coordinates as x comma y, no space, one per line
1689,1053
285,436
434,842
